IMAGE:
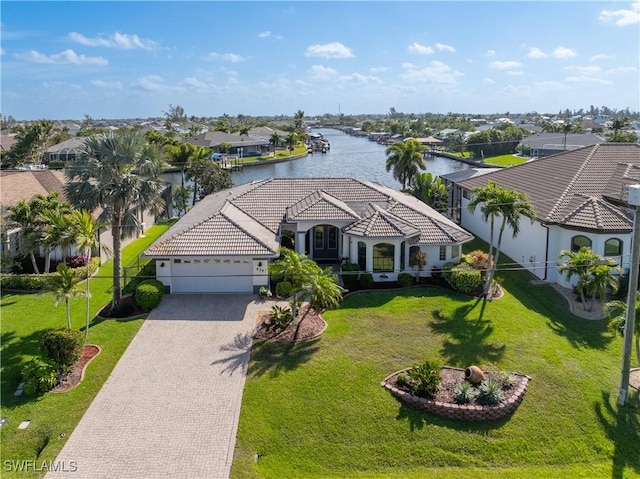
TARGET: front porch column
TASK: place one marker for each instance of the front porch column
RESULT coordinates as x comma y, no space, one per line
369,257
300,241
397,267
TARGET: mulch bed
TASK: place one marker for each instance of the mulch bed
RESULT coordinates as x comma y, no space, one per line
128,308
308,324
76,373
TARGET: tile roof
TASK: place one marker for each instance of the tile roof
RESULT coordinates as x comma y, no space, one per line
557,185
246,219
16,185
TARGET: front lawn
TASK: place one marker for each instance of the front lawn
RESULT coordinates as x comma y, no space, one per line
54,415
316,409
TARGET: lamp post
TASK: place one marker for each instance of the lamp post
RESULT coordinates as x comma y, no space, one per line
629,325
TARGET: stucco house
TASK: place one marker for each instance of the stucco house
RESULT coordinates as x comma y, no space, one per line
226,242
580,198
241,145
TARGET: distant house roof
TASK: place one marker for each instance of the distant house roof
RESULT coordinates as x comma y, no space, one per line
584,188
556,140
265,132
246,219
456,176
7,141
17,185
72,144
213,139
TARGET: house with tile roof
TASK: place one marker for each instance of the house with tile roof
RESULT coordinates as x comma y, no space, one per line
241,145
226,242
580,198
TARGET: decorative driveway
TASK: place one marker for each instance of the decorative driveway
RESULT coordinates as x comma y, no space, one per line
170,407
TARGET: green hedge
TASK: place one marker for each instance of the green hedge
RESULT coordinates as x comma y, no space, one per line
62,346
462,277
149,294
350,274
405,280
35,282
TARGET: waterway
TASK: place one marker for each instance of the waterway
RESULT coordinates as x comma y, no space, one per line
349,156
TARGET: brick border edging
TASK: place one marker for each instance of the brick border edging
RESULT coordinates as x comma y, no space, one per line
462,411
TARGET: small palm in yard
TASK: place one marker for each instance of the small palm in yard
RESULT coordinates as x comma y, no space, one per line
617,314
64,287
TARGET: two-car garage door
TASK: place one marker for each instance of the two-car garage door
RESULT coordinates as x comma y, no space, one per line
231,275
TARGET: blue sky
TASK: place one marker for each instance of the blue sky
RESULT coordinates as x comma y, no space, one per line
134,59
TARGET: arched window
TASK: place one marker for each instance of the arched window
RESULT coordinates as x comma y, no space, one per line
578,242
613,247
362,255
383,256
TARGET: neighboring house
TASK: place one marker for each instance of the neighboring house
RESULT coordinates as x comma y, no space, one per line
226,242
265,132
17,185
545,144
455,194
242,145
66,152
7,141
580,199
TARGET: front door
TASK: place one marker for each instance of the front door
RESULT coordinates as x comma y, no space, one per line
325,242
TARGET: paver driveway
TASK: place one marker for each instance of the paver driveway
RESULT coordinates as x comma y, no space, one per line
170,407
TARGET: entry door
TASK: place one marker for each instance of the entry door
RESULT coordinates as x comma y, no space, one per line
325,242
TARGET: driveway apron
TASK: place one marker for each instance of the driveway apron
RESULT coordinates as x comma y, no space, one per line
170,407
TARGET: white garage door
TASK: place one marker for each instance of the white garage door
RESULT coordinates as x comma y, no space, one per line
230,275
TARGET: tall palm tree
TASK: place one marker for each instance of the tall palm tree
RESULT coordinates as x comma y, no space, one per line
511,205
404,158
26,217
567,127
275,139
291,140
64,287
85,234
198,155
55,225
298,119
617,314
179,156
121,176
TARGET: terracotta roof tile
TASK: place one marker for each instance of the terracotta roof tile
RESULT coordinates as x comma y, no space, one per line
320,206
382,224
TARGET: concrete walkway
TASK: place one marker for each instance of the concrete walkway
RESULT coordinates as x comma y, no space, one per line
170,407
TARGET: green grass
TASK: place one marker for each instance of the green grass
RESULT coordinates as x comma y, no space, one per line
279,154
316,409
54,415
501,160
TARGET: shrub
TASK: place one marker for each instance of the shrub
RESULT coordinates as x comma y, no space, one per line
39,376
37,282
149,294
366,280
350,274
62,346
280,316
265,292
425,379
490,392
402,380
283,289
463,278
76,261
464,392
477,259
405,280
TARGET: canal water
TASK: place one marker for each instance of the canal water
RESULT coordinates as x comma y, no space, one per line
349,156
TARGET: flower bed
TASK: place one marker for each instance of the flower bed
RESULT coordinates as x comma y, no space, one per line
443,405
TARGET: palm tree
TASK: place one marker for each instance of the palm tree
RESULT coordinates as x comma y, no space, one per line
430,190
511,205
179,156
275,139
566,129
121,176
198,155
291,140
85,234
56,223
64,287
26,217
600,277
579,263
298,119
404,158
617,314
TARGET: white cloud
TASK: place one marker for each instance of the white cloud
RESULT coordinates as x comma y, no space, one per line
506,65
564,52
122,41
615,71
491,53
152,83
322,73
535,52
601,56
588,70
436,72
229,57
622,17
588,79
515,73
329,50
269,34
488,81
107,85
420,49
358,78
442,46
63,58
378,69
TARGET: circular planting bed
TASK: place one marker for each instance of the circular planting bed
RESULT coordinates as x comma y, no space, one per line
443,402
